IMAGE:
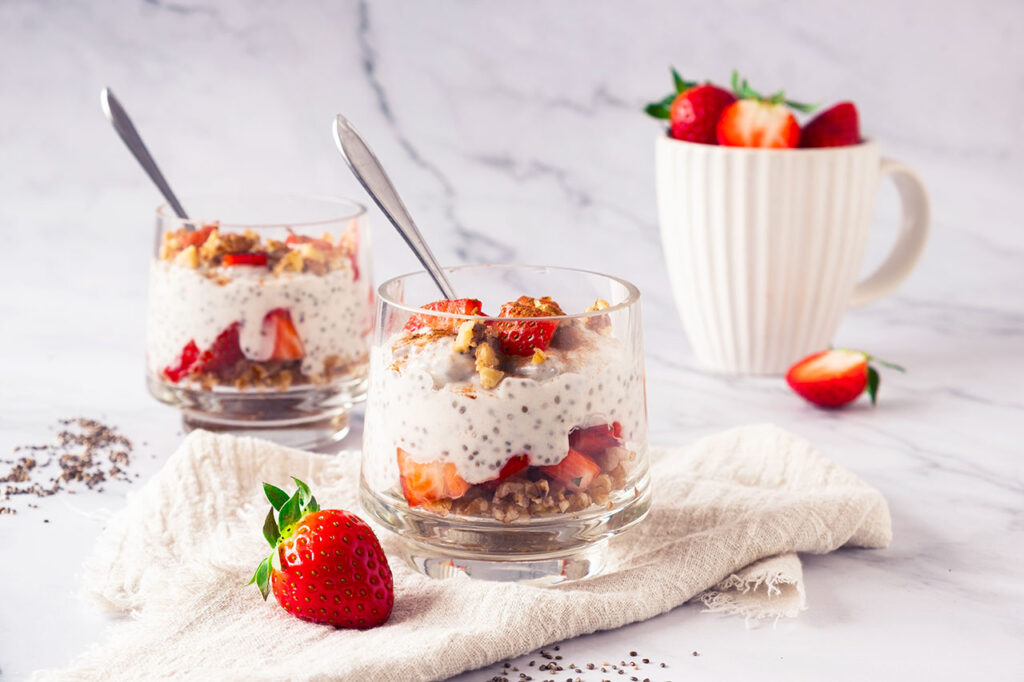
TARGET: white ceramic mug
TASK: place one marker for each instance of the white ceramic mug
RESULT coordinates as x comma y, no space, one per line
763,246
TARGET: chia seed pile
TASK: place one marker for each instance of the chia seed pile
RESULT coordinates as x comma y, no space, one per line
84,454
552,667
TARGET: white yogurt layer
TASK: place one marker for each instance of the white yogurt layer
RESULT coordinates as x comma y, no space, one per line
426,406
330,312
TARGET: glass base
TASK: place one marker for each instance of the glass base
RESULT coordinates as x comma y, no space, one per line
303,434
536,570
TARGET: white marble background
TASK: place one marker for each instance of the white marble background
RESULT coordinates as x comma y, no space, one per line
513,131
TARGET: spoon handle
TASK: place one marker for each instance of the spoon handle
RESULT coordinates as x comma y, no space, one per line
123,125
371,176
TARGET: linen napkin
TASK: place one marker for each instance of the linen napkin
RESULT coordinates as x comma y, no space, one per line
730,513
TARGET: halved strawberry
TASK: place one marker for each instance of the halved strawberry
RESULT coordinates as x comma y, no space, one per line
758,121
231,259
576,471
428,481
183,365
512,467
458,306
196,237
594,439
837,126
835,377
223,353
277,324
522,338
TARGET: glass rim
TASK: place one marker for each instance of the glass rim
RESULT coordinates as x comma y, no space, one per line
356,210
632,298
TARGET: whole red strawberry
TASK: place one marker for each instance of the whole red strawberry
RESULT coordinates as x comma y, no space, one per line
692,110
837,126
524,337
695,113
835,377
327,565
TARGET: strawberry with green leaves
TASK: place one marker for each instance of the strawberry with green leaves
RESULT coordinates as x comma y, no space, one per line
327,565
755,120
835,377
692,110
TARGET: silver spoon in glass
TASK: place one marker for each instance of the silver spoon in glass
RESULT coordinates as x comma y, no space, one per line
123,125
375,181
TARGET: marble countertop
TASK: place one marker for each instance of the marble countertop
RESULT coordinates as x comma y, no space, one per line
515,135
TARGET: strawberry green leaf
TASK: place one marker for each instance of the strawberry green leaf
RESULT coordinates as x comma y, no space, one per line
313,505
890,365
661,109
291,512
873,381
276,496
305,492
270,529
262,578
681,84
800,106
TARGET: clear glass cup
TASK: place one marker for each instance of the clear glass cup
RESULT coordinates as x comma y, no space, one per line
260,315
499,462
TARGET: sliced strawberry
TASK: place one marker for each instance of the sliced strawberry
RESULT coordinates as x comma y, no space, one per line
429,481
277,324
522,338
196,237
617,429
223,353
836,377
183,365
695,113
512,467
750,123
231,259
576,471
837,126
593,439
758,121
457,306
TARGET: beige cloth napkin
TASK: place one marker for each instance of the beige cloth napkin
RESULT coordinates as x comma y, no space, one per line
729,514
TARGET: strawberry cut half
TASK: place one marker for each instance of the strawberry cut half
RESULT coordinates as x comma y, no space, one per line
223,353
183,365
594,439
523,338
576,471
751,123
457,306
428,481
277,324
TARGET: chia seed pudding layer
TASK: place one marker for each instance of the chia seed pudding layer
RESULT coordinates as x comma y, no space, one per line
427,400
329,312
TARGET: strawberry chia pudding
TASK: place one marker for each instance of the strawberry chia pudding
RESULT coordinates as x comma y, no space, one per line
505,418
232,310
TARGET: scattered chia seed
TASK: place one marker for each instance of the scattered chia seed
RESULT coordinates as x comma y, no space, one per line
548,665
84,453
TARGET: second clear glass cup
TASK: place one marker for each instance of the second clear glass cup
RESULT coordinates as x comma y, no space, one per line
509,447
260,313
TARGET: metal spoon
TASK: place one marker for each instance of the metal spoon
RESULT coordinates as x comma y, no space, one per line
375,181
123,125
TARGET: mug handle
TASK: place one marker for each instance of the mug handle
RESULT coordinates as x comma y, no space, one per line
910,243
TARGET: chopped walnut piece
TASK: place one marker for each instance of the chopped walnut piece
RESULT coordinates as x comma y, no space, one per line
291,262
233,242
310,252
489,377
599,304
486,357
188,258
539,356
600,323
316,267
212,248
465,337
